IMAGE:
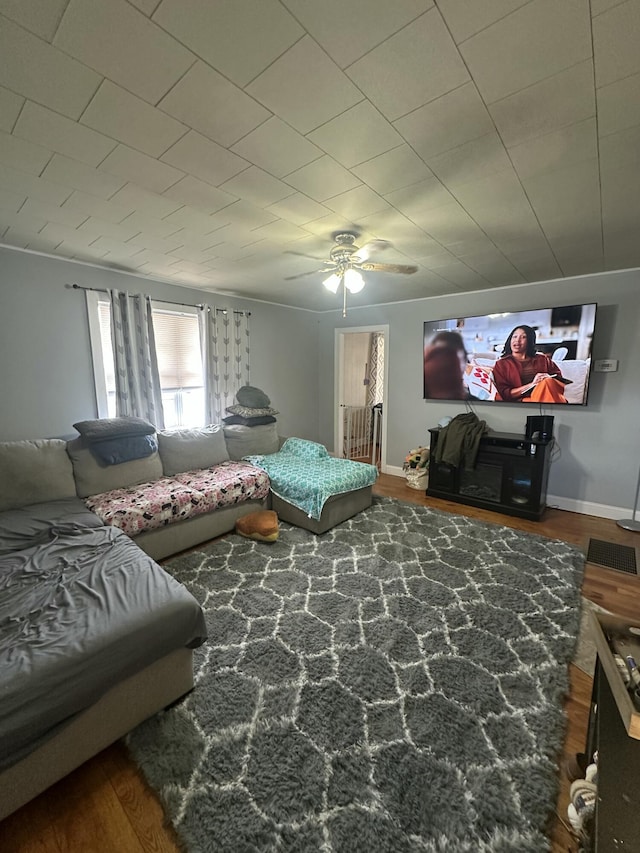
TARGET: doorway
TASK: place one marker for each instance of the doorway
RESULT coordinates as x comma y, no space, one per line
360,427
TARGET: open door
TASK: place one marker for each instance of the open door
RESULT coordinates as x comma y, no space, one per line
360,394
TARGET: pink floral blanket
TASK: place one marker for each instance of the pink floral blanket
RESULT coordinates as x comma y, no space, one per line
147,506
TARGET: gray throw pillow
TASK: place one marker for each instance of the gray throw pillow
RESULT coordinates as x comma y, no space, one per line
190,449
103,428
253,397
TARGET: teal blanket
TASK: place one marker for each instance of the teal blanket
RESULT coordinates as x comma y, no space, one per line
303,474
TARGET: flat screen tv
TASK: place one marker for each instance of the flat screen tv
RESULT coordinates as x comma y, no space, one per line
539,356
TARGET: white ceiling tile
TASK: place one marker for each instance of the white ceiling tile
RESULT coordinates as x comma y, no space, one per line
144,202
115,247
414,66
557,150
499,188
10,106
298,208
147,7
448,224
537,267
459,273
446,122
360,201
393,170
124,117
534,42
257,187
356,135
193,222
322,179
199,194
119,42
619,105
10,201
414,199
22,224
98,207
203,158
473,160
308,106
240,46
34,15
209,103
57,232
560,100
33,68
61,134
464,19
277,148
198,241
23,155
101,228
242,214
616,40
280,230
600,6
146,171
621,151
20,182
62,215
64,170
349,30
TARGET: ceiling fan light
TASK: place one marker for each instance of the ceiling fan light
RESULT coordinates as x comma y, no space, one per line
353,281
332,283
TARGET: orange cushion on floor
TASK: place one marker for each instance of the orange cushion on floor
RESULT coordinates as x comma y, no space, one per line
262,525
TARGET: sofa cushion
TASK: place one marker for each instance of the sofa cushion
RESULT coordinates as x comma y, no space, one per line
92,478
103,428
251,412
249,440
34,471
189,449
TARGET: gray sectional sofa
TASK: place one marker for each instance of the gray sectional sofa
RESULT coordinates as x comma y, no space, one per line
94,635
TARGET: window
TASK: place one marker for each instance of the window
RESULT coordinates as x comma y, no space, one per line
177,337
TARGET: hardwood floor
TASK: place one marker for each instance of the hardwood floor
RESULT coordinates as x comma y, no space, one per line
105,805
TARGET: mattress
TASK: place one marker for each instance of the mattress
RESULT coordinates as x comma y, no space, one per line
80,610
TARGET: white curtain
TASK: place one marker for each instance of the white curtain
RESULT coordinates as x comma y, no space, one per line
225,355
137,381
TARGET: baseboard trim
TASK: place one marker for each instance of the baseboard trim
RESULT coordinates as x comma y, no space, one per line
557,502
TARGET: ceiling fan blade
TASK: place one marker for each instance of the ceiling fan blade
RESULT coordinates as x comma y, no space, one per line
365,252
401,268
303,255
303,274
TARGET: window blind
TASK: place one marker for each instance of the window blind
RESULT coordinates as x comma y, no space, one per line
178,349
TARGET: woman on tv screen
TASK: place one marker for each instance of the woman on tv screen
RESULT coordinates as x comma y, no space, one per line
522,374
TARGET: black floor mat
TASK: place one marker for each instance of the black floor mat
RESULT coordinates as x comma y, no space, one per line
612,556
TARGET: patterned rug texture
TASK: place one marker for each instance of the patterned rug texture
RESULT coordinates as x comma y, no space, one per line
394,685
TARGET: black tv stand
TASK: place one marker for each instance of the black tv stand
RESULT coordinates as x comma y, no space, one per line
510,475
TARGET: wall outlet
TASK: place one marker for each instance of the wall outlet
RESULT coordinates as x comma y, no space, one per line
606,365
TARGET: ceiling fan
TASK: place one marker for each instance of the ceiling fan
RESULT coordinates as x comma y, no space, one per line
346,260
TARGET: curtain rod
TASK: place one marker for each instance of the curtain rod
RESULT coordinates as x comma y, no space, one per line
199,305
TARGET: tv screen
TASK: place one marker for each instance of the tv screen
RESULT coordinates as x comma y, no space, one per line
540,356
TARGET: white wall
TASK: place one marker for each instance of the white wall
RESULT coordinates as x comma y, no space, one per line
46,383
595,466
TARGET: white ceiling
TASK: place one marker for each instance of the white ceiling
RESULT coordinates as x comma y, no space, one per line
202,143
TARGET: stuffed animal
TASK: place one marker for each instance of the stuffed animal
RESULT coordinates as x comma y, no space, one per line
261,525
417,458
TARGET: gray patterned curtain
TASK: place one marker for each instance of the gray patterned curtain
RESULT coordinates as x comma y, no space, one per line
375,369
137,381
225,354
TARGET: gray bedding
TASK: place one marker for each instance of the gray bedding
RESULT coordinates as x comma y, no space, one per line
79,611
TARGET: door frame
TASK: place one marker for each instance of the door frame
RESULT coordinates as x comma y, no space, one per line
338,422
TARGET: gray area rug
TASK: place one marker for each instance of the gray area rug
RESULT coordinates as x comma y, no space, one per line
394,685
